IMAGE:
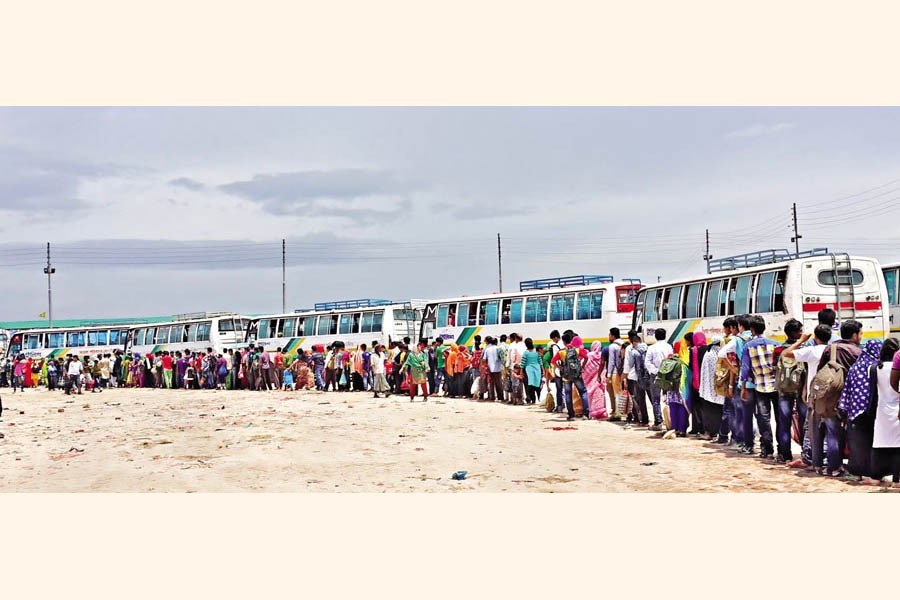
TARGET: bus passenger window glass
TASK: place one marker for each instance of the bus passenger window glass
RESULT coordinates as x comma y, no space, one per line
176,335
32,341
357,317
489,312
92,338
742,295
192,331
56,340
713,297
346,320
515,311
462,316
442,313
162,335
650,305
764,289
584,306
890,278
324,324
290,327
262,330
102,337
671,303
203,331
76,339
597,305
377,321
367,323
473,314
309,326
692,301
238,325
114,337
504,311
562,308
536,309
778,295
226,325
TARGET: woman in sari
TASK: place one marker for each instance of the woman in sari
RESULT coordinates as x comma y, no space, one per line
301,371
532,364
591,375
481,370
463,363
696,403
378,370
451,370
675,399
417,365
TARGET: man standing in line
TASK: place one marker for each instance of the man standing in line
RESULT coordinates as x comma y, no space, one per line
556,346
614,369
656,353
572,360
495,368
636,377
279,368
758,362
74,371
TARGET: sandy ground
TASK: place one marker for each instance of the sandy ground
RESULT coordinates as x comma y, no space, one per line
210,441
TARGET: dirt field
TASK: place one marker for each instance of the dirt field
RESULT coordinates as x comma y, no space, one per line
208,441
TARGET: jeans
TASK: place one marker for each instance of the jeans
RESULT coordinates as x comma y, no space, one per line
727,418
737,424
654,400
319,374
639,399
749,409
439,376
765,402
368,380
495,387
560,396
585,399
834,438
783,421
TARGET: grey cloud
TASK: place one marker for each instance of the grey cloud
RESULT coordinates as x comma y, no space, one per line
299,191
187,183
760,130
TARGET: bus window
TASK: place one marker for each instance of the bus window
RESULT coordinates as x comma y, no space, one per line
75,339
56,340
590,305
176,334
651,305
625,298
562,308
451,316
357,317
366,326
114,338
536,309
192,331
890,278
844,277
672,303
162,335
515,310
377,321
238,325
742,294
346,320
32,341
139,339
226,325
307,325
203,331
102,337
489,312
764,289
692,301
463,316
289,327
713,297
328,325
504,311
91,338
442,313
473,314
262,330
778,295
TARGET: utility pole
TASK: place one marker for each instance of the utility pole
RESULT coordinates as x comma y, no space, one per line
707,256
499,263
49,271
283,278
797,236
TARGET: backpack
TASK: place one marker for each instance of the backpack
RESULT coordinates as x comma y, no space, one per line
669,377
723,378
789,375
644,377
572,364
825,388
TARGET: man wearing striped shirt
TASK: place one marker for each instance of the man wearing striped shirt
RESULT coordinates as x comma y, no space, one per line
758,364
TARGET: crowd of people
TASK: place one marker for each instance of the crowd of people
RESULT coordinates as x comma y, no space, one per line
827,393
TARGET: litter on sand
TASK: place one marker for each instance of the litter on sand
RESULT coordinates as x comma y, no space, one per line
562,428
460,475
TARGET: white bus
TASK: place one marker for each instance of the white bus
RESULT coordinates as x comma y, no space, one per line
59,342
776,284
192,331
589,305
352,322
891,281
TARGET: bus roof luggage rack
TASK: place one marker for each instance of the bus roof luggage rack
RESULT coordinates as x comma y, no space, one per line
761,257
200,315
560,282
361,303
303,310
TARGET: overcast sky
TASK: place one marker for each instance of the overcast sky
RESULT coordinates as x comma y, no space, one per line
157,211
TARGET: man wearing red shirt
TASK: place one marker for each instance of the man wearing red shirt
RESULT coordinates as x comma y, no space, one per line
279,368
167,368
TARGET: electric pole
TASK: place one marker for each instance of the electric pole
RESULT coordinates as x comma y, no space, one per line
49,271
797,236
283,278
707,256
499,263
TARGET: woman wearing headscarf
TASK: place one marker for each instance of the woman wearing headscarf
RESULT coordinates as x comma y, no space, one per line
416,364
451,371
675,399
484,373
532,366
886,439
854,403
697,402
463,362
378,370
593,368
712,404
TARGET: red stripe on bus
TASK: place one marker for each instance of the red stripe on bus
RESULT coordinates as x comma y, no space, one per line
817,306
